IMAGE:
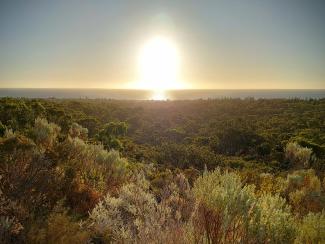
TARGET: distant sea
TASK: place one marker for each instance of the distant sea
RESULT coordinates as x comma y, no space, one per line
159,95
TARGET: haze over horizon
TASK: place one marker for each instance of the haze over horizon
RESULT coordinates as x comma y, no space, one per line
221,44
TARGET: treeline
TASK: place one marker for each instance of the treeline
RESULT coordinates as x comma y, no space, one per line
187,134
205,171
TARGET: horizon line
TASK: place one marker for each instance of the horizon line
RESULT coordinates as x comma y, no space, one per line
136,89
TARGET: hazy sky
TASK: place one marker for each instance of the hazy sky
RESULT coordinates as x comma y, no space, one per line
223,43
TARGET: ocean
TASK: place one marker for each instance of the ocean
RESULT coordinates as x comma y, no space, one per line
122,94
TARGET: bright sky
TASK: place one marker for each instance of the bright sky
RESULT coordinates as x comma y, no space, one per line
226,44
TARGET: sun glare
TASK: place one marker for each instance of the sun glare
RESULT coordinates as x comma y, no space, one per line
159,65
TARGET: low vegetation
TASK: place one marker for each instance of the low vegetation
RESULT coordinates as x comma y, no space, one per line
206,171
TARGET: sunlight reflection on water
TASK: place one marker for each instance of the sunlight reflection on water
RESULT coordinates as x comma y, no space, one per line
159,95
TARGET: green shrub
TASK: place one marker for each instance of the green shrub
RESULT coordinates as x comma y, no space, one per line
228,211
312,228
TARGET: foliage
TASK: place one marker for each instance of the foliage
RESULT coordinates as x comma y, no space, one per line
228,211
297,155
27,175
92,164
10,226
305,192
59,229
111,133
77,130
134,215
268,183
312,229
44,133
145,171
2,129
275,222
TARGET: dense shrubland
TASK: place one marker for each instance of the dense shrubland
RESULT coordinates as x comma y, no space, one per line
215,171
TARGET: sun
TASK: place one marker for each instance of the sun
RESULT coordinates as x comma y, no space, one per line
158,64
